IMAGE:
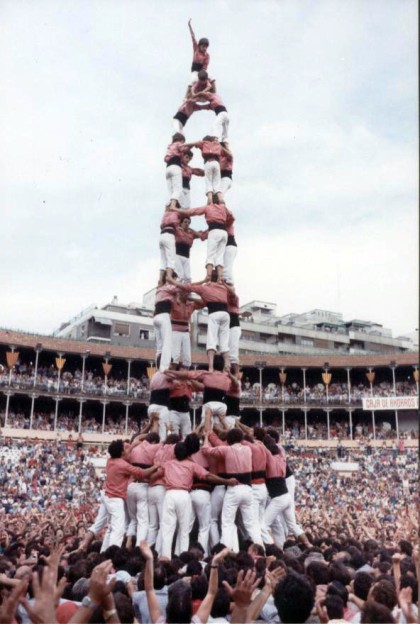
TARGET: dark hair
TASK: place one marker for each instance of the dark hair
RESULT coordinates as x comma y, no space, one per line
362,583
178,137
172,438
339,572
116,449
203,41
181,451
124,607
159,577
179,607
234,436
192,442
405,547
338,589
259,433
221,604
273,433
294,598
334,606
194,568
385,593
202,74
199,586
318,572
407,580
153,437
375,613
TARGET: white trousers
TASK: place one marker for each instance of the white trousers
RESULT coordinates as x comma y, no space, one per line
259,501
291,486
181,343
185,200
115,508
234,337
181,422
279,505
221,126
138,511
163,413
212,176
218,331
102,517
201,509
216,246
163,334
167,251
216,500
225,184
177,126
238,497
174,181
228,261
155,498
217,409
183,268
176,510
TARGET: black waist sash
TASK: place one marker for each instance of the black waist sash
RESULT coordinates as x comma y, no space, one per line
182,249
196,66
216,306
226,173
258,474
243,477
213,394
144,466
182,117
179,404
175,160
160,397
276,486
216,225
210,157
232,404
163,307
234,320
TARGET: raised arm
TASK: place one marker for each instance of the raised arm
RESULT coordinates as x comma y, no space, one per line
204,609
194,40
152,602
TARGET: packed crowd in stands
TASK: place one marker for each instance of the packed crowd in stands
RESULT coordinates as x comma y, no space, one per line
361,564
93,384
44,421
339,426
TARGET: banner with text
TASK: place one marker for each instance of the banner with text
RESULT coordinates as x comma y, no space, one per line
391,403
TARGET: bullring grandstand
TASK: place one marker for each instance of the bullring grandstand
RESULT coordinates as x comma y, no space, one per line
51,386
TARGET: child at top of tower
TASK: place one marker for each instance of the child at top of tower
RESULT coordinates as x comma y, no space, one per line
201,57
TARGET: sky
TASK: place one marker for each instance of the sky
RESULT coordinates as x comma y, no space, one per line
322,99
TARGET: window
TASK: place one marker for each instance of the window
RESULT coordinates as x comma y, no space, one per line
144,334
122,329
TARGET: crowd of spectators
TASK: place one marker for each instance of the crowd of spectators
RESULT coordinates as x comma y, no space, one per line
362,565
291,394
317,428
69,423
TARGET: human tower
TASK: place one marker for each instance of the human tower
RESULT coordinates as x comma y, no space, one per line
176,297
171,478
